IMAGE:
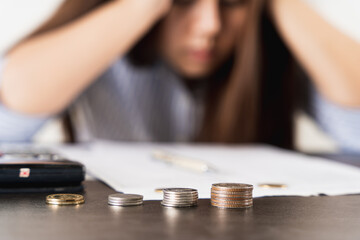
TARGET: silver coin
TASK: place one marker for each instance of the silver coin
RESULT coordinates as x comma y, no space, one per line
179,190
126,201
181,195
124,197
120,199
133,201
231,186
178,205
125,204
181,198
179,201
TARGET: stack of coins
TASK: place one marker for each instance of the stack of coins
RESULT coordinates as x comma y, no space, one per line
180,197
231,195
125,200
65,199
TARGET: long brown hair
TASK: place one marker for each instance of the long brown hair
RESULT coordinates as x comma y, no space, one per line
254,104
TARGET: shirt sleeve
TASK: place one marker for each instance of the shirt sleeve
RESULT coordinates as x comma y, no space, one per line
342,124
17,127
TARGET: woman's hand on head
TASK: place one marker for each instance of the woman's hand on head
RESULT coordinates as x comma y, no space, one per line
80,50
329,56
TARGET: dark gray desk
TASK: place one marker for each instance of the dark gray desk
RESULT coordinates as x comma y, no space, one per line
27,217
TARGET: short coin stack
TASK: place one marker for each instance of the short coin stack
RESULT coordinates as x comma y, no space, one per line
65,199
231,195
180,197
125,200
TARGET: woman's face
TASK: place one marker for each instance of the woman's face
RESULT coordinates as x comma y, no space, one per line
199,35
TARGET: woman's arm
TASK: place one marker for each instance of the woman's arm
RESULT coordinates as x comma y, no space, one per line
16,127
44,74
330,57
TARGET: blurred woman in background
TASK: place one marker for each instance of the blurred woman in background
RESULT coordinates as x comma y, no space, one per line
182,70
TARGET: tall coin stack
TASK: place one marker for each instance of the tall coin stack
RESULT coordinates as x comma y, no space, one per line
180,197
232,195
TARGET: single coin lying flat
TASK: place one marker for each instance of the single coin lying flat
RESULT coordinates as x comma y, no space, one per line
65,199
125,200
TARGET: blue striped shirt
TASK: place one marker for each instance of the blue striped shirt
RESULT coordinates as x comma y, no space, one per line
128,103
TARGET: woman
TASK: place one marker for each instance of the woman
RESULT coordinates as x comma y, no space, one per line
210,70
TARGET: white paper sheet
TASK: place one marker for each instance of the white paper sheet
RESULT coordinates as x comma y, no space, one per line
130,168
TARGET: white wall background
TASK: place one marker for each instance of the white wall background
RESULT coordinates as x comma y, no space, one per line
343,14
20,17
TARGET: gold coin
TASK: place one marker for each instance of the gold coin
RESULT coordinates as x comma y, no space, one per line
159,190
272,185
65,199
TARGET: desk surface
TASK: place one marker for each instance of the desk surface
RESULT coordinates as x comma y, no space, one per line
28,217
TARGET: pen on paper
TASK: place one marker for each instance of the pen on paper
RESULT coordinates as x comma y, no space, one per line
183,162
